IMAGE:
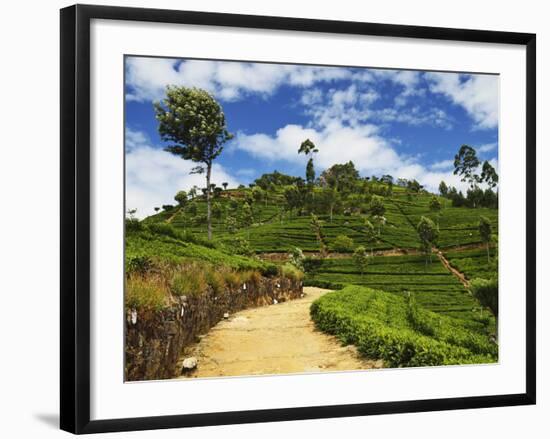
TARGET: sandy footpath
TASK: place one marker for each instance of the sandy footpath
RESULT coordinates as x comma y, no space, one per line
273,339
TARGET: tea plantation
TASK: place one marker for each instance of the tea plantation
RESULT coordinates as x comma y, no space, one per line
401,304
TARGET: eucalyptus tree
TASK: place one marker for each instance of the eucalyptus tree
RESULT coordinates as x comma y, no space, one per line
466,164
485,233
195,123
308,148
361,259
428,234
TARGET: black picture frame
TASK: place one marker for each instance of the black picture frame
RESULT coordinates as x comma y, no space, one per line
75,217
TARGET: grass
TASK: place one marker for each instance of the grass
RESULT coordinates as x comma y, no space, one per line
146,293
393,328
162,262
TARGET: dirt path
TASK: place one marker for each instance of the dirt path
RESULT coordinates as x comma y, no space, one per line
275,339
453,270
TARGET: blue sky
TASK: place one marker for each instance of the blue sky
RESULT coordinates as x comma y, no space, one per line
405,123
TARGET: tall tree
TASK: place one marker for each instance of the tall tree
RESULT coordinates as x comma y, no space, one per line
361,259
443,189
195,122
370,235
466,164
485,233
428,234
181,198
315,224
330,198
308,148
224,184
489,174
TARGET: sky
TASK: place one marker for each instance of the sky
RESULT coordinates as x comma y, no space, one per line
405,123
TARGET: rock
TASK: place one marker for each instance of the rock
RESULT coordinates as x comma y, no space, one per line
189,363
225,315
133,316
275,302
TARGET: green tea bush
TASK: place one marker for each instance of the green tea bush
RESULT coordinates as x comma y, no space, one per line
385,326
342,243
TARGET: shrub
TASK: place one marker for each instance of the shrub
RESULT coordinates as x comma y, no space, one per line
133,225
139,264
270,270
189,280
342,243
291,272
486,291
164,229
238,246
145,293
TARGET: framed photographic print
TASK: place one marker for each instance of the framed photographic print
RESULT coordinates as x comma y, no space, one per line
285,218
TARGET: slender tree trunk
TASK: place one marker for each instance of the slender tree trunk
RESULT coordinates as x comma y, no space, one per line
331,210
208,207
488,255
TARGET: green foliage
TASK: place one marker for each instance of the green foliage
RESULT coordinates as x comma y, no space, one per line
485,232
194,122
138,264
428,234
291,272
384,326
473,263
489,174
377,207
238,246
486,291
443,189
133,225
466,164
181,198
342,243
361,259
315,224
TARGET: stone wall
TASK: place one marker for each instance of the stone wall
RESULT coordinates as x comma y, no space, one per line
155,340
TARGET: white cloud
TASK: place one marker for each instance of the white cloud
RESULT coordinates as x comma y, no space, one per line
488,147
147,78
408,80
371,154
477,94
443,164
153,176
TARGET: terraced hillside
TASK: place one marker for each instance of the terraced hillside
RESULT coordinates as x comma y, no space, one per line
273,229
259,233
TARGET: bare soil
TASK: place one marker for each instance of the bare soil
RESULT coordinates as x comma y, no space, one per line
275,339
